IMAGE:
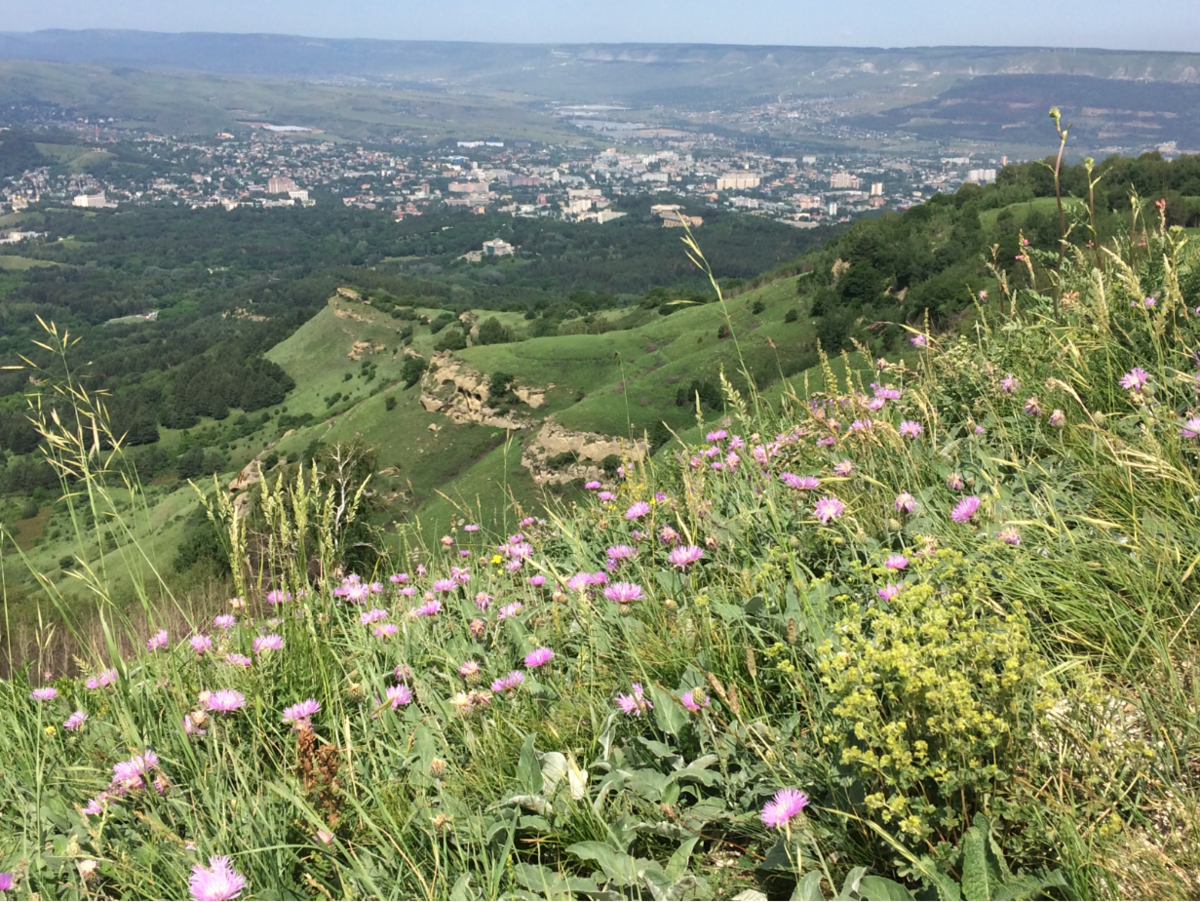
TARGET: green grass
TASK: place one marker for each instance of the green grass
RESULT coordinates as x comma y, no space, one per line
18,263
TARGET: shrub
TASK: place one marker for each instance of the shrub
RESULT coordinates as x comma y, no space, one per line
758,307
413,369
389,403
453,340
791,316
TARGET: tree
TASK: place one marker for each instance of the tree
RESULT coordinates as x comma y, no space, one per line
413,369
491,332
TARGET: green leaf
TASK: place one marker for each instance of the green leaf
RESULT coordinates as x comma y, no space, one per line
540,880
668,713
809,888
616,865
462,889
679,859
880,889
851,883
976,876
529,771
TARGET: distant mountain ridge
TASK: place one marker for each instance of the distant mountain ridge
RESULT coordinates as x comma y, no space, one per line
569,71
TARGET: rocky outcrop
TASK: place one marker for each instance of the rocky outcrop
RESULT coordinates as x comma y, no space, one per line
250,474
590,449
454,390
361,349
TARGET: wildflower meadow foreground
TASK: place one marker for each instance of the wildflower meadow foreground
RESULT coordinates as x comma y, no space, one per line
926,632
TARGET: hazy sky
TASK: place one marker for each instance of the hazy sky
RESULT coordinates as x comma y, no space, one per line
1120,24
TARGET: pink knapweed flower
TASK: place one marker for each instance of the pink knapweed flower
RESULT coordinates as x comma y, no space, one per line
606,496
471,527
888,592
906,503
1009,536
965,509
695,699
1190,429
668,536
426,610
75,721
372,616
1009,384
225,700
637,510
955,483
623,593
591,485
512,609
784,808
828,508
237,660
804,483
399,696
634,704
398,578
444,585
684,556
483,601
102,679
269,642
716,435
216,883
918,341
201,644
509,682
278,596
538,657
43,694
1136,379
911,429
157,641
843,468
1058,419
896,562
385,630
469,669
298,714
224,622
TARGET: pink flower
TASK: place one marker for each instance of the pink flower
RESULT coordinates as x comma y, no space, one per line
385,630
635,704
471,527
1032,407
201,644
888,592
828,508
224,622
278,596
918,340
538,657
509,682
906,502
398,696
1190,429
623,593
128,775
43,694
955,483
237,660
637,510
695,699
158,641
1009,536
668,536
592,485
896,562
444,585
717,435
469,669
216,883
483,601
579,582
298,714
1009,384
911,429
684,556
374,615
606,496
804,483
843,468
537,580
1058,419
225,700
75,721
398,578
965,509
426,610
102,679
509,610
270,642
784,808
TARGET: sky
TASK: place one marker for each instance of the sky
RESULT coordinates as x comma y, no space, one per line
1114,24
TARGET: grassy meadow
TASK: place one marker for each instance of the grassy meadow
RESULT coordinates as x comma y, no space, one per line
922,628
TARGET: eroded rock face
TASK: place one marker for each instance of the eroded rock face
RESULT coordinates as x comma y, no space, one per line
454,390
251,474
553,439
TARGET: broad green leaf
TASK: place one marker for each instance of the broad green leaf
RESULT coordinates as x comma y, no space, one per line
540,880
668,713
529,772
679,859
976,877
851,883
880,889
809,888
616,865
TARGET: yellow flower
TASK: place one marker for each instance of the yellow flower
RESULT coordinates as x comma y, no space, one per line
496,559
50,731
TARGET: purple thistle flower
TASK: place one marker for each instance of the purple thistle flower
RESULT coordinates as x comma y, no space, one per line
906,502
428,609
668,536
270,642
43,694
471,527
225,700
483,601
385,630
717,435
1032,407
918,340
372,616
399,696
398,578
620,552
1058,419
887,393
606,496
684,556
469,669
635,704
1009,384
216,883
157,641
96,806
298,714
623,593
579,582
1136,379
695,699
843,468
591,485
538,657
955,483
509,682
237,660
911,429
6,882
128,774
509,610
828,508
75,721
1190,429
888,592
537,580
201,644
784,808
637,510
224,622
965,509
444,585
803,483
1009,536
896,562
278,596
102,679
